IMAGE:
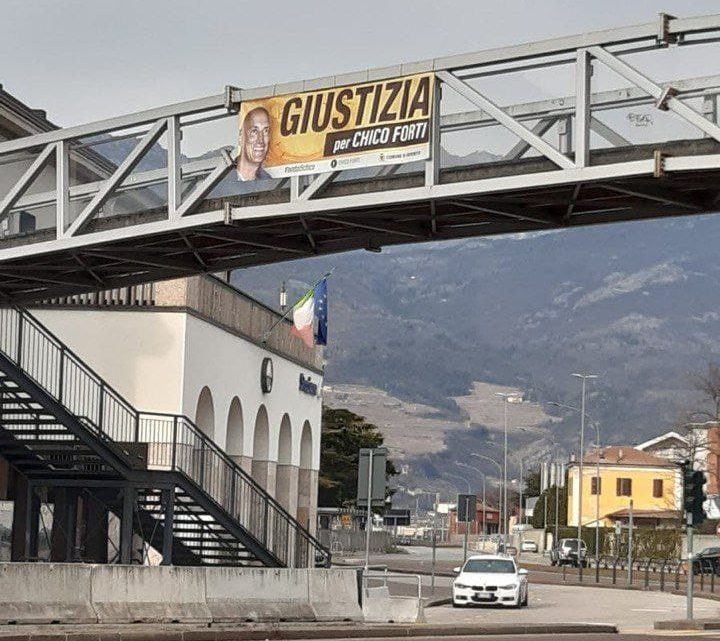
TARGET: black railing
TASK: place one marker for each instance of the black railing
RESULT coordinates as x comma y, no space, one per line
174,442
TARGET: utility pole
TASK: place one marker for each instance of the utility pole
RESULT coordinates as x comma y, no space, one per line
691,568
434,542
368,520
630,543
467,527
584,378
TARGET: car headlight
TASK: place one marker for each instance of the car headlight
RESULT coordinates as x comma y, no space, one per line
461,586
509,586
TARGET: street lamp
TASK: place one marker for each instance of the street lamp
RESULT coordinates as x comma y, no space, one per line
507,398
598,489
500,468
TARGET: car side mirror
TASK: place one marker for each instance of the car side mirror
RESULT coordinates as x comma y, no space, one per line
456,570
522,572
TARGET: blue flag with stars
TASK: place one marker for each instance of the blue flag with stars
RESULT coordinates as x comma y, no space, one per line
321,311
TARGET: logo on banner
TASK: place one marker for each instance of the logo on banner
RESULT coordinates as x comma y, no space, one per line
385,122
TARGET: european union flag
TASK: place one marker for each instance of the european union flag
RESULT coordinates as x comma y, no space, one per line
321,311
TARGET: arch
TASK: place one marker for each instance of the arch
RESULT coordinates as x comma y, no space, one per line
235,430
285,442
306,447
205,413
284,484
261,436
307,485
261,467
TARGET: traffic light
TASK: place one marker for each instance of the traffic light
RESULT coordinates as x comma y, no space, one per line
694,496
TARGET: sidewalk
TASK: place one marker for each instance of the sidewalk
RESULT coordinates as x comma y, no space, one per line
165,632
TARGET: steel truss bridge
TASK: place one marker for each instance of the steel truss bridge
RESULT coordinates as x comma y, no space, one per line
105,224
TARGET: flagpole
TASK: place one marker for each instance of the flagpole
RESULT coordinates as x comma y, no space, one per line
291,308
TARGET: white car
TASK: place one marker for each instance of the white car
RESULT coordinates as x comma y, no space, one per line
490,579
529,546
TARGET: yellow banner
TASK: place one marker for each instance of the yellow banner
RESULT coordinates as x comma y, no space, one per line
379,123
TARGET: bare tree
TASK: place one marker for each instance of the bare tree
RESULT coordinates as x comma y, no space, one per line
708,385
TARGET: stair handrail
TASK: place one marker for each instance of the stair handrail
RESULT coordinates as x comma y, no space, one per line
106,388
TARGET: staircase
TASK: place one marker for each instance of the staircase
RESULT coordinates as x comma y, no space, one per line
61,424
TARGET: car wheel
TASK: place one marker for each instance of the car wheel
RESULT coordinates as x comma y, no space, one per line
525,599
553,562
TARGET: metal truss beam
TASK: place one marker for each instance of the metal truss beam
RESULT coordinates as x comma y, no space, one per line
665,97
125,167
508,122
24,181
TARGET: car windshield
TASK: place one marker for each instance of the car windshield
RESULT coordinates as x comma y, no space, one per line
571,543
490,566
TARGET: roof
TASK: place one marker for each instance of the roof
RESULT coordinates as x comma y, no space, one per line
626,455
644,514
659,439
479,507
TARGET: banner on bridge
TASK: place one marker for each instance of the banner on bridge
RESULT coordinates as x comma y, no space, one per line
379,123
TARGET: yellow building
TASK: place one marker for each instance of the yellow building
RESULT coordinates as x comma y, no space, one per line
653,484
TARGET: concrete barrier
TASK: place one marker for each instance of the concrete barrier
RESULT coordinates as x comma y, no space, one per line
379,607
333,595
45,593
77,593
143,594
257,594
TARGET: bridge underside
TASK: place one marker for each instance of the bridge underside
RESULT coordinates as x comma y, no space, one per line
220,237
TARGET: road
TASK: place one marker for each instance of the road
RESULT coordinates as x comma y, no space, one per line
631,611
634,612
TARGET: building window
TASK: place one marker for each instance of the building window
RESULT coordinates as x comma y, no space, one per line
624,487
657,488
595,485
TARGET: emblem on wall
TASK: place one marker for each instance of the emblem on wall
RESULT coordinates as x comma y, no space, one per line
266,375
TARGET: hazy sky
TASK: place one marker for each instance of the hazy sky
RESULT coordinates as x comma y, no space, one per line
83,60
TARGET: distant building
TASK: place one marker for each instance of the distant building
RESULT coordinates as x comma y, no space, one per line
653,484
490,525
701,444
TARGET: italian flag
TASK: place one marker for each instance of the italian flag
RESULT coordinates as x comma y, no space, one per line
304,318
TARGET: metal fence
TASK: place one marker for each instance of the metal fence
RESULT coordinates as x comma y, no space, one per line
664,575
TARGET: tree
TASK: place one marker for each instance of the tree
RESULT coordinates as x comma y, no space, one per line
343,434
539,513
532,484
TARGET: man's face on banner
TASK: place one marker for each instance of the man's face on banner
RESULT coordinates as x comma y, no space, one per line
256,135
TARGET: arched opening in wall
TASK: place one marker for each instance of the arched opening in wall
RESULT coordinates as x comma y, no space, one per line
307,480
235,432
262,470
286,473
205,413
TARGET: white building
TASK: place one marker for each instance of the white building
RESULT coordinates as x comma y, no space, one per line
195,347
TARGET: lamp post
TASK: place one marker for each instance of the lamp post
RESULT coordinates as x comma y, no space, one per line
584,378
598,487
507,398
494,462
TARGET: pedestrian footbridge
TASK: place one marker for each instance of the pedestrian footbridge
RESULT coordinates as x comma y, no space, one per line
154,194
